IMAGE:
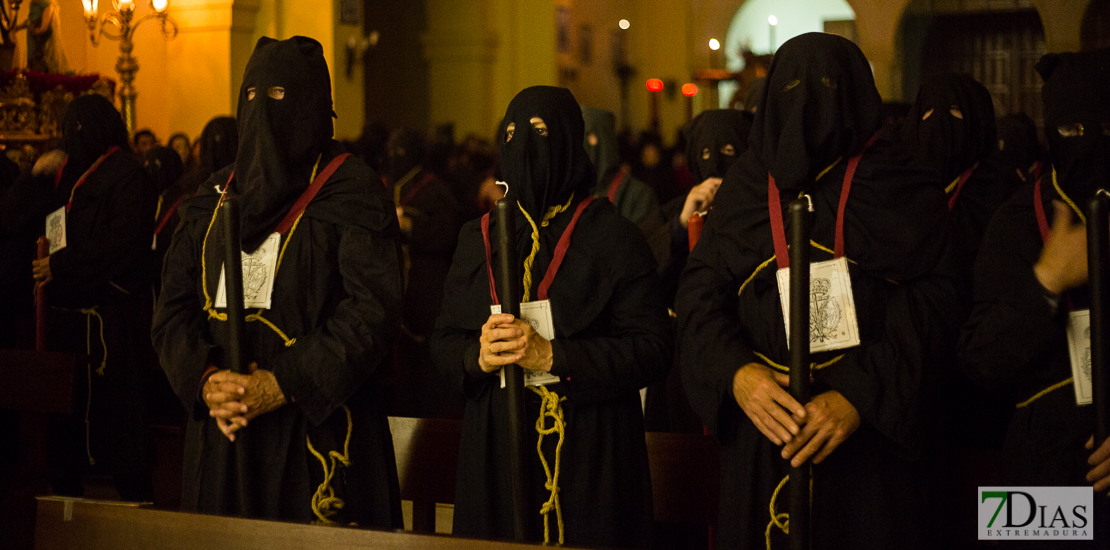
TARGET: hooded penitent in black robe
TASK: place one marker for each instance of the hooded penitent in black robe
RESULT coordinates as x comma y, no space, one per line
821,105
949,130
1016,338
336,306
633,198
714,140
418,388
611,339
95,300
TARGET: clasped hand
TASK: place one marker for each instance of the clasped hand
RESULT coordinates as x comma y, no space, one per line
810,432
506,340
234,399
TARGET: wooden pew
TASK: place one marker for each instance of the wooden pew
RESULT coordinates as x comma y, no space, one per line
34,385
685,471
427,452
76,524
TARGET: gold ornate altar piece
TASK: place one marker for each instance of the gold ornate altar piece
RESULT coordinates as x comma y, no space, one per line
32,106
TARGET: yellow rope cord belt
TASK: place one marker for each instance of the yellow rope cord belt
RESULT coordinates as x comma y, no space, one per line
760,267
1066,198
89,314
550,404
782,521
324,503
551,213
550,407
1044,392
257,316
784,368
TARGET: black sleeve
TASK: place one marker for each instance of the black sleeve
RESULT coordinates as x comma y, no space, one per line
711,345
180,331
889,380
327,365
636,350
1013,325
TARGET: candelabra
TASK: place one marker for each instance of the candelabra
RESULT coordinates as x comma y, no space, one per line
120,17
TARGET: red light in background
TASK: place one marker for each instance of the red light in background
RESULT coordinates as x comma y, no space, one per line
689,89
654,85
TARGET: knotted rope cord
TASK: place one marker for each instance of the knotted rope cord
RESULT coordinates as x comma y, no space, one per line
551,213
208,303
550,401
782,521
324,502
549,407
89,314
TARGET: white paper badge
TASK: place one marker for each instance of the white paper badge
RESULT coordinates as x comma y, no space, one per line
832,309
258,275
56,229
1079,346
538,314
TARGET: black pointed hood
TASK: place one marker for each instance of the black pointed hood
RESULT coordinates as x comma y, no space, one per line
951,125
708,138
279,139
1077,119
543,171
820,104
91,127
602,125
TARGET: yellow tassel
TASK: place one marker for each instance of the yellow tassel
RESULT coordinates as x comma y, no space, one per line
550,407
324,502
782,521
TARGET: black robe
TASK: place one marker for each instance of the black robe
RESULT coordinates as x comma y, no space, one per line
1015,342
869,492
337,293
612,338
420,390
95,307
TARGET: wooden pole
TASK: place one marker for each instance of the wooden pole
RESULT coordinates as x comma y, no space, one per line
233,285
236,331
508,291
800,495
1098,261
43,251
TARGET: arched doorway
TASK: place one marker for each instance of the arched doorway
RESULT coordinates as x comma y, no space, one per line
1095,32
997,48
751,30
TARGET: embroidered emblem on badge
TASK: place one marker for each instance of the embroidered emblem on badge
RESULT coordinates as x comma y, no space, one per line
255,275
824,311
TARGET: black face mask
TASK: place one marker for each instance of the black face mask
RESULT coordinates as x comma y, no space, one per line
714,140
164,166
543,168
1077,119
91,126
219,143
951,125
820,104
285,123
